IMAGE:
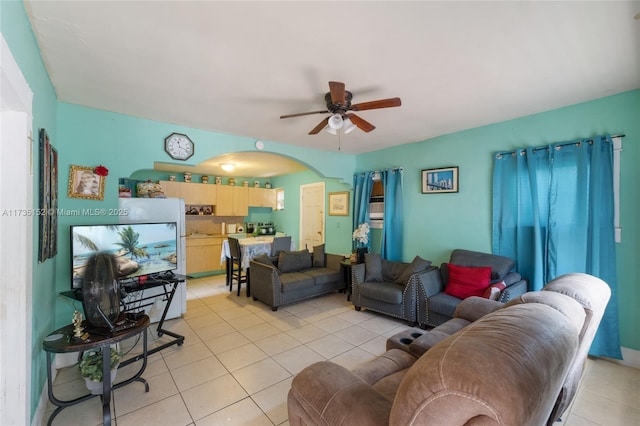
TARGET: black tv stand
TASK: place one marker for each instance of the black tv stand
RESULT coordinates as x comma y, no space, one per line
135,308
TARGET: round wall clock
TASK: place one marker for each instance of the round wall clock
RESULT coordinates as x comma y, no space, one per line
178,146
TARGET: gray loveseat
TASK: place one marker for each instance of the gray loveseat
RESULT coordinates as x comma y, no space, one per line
298,275
436,305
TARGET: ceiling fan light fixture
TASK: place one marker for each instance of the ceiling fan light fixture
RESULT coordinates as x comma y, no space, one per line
227,167
336,121
348,126
330,130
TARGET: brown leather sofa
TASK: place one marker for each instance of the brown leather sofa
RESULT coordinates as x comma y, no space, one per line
484,373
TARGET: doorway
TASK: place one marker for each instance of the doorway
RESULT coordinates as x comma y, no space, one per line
16,252
311,215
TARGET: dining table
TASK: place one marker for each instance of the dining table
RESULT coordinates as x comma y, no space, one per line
250,247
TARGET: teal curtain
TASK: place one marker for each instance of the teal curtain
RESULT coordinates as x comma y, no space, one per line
553,213
362,184
392,234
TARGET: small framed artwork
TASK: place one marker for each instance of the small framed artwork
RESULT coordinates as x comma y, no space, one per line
438,181
339,203
85,183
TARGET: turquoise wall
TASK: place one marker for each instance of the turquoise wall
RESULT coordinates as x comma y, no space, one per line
16,30
129,146
337,228
437,223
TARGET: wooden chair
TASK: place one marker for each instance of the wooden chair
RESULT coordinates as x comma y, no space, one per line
279,244
235,271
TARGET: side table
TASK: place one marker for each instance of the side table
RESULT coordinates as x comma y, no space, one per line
62,340
345,265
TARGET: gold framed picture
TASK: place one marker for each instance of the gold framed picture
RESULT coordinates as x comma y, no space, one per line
85,183
339,203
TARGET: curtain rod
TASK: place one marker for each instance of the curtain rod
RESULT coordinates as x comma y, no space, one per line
538,148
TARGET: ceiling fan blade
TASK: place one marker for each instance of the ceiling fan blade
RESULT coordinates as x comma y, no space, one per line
319,127
304,113
362,124
382,103
337,92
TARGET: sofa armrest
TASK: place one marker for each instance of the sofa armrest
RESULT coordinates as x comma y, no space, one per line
265,283
513,291
473,308
329,394
430,282
357,273
332,261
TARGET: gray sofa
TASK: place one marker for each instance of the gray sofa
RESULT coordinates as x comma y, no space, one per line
484,373
435,306
388,287
296,276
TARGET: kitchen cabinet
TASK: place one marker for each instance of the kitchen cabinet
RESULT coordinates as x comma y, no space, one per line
203,254
262,197
171,188
192,193
232,201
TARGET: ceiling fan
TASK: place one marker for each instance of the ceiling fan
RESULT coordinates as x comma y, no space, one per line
338,104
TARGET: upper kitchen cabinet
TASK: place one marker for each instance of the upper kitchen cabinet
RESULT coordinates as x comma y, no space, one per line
192,193
262,197
232,201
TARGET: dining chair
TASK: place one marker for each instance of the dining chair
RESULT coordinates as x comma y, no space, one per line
236,272
279,244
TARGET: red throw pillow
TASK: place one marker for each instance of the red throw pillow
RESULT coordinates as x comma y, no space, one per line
465,281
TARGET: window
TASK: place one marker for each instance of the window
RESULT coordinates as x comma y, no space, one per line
376,203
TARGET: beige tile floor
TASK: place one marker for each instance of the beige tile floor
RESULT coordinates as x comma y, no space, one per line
239,357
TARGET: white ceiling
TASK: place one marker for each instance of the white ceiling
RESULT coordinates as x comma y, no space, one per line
235,67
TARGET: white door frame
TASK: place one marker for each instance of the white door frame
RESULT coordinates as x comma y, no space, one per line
16,249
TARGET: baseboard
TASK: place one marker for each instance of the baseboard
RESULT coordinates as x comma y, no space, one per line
630,358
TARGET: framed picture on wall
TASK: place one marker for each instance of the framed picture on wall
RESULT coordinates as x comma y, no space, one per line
45,196
85,183
438,181
339,203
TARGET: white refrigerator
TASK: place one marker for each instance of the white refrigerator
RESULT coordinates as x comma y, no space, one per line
155,210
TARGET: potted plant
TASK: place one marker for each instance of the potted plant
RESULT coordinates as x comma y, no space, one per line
361,236
91,369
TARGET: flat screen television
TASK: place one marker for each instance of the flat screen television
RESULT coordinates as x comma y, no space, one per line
137,248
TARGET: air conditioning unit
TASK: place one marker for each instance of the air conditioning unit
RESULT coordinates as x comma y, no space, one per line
376,214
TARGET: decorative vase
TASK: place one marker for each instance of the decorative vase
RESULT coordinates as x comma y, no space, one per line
204,179
360,251
187,177
96,387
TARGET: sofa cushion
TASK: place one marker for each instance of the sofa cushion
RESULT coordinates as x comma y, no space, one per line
373,267
318,256
417,265
293,281
323,275
500,265
383,291
392,270
292,261
443,304
265,259
467,281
